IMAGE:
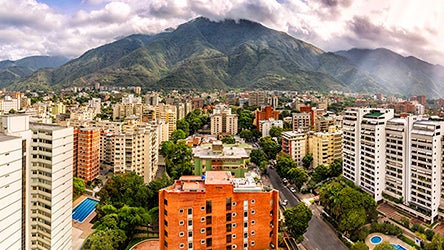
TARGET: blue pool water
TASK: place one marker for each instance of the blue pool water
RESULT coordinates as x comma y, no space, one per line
398,247
375,239
85,208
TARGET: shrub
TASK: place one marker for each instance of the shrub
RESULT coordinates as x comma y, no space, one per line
429,234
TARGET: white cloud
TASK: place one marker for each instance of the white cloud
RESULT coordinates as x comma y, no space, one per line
28,27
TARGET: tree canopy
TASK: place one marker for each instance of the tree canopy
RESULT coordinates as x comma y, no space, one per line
270,147
178,158
287,167
296,220
78,185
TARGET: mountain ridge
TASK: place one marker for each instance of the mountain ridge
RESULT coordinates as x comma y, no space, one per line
205,55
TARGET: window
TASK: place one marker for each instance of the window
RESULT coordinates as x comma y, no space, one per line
228,217
165,212
234,214
202,242
190,222
209,242
165,243
253,232
234,236
209,232
202,219
253,222
246,224
228,227
190,211
190,245
253,201
190,234
234,203
245,214
181,211
228,238
181,222
228,204
181,245
165,233
209,220
165,222
202,208
234,225
252,243
253,211
202,230
209,207
181,234
165,201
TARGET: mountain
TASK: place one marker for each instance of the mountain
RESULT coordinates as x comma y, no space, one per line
10,71
205,55
400,75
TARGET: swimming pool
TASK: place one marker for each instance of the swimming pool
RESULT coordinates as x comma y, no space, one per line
376,239
398,247
84,209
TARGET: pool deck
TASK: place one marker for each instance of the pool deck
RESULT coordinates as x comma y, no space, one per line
81,230
389,238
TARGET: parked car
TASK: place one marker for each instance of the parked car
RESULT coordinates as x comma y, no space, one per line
285,203
285,181
292,189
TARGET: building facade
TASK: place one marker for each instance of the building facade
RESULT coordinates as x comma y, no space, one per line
295,144
88,153
217,157
218,212
326,147
222,121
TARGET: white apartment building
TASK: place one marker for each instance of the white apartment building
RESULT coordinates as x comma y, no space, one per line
426,167
222,121
39,166
11,191
8,103
265,126
295,144
167,113
51,186
351,129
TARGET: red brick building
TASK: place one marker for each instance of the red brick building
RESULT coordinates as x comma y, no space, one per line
265,114
87,153
218,212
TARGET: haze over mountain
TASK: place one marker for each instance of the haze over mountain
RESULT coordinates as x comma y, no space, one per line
13,70
205,55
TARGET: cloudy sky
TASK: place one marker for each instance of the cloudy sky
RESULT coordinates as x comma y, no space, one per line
71,27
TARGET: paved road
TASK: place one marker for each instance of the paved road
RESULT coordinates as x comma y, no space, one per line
319,235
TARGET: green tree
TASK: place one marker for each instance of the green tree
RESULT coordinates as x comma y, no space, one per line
177,134
336,168
107,239
257,156
182,124
228,140
320,173
12,111
352,220
270,147
178,157
276,131
436,243
247,135
296,220
359,245
306,161
245,120
78,185
384,246
126,189
298,175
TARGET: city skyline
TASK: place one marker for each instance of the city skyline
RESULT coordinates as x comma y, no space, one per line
31,27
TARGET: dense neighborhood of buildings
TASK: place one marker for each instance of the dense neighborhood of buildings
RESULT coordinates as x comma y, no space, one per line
391,148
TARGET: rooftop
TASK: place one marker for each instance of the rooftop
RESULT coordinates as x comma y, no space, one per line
206,151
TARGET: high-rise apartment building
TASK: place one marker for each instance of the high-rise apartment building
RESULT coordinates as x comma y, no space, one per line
136,149
36,194
167,113
51,187
326,146
222,121
88,153
351,132
257,99
295,144
265,126
218,212
11,191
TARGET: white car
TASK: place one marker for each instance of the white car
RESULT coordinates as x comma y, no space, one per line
285,203
292,189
